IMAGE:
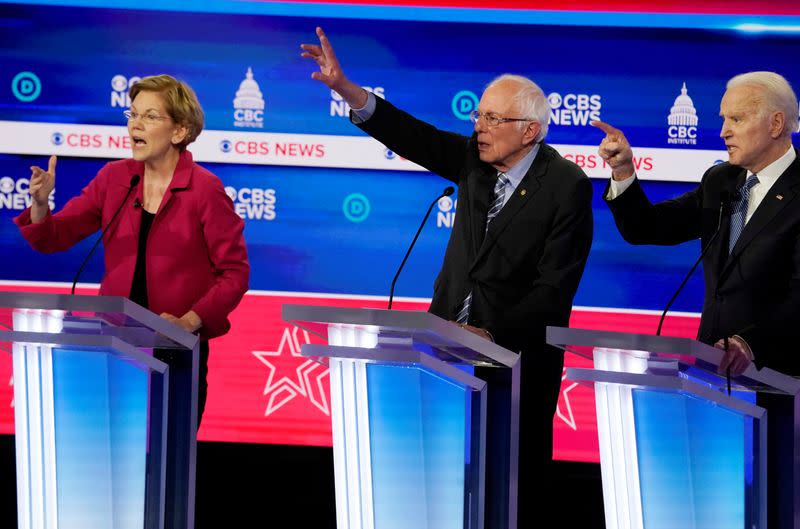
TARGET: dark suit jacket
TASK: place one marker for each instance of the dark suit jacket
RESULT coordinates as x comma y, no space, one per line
754,292
524,272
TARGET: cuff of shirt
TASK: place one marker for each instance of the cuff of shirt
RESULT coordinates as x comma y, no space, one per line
747,348
618,187
360,115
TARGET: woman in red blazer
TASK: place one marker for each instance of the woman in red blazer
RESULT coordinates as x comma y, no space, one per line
177,245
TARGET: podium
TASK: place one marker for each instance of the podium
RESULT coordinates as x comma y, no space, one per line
409,419
105,433
680,445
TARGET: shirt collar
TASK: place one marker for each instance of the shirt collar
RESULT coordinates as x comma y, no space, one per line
520,169
768,175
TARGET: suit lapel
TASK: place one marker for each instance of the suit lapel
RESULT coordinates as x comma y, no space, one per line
770,206
180,180
524,193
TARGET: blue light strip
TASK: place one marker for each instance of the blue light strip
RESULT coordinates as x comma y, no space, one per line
744,23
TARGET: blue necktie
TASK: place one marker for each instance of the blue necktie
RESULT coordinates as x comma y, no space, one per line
740,211
497,205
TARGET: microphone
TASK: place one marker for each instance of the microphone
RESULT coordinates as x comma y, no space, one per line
446,193
134,181
725,199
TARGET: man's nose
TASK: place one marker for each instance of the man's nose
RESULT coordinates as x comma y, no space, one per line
725,131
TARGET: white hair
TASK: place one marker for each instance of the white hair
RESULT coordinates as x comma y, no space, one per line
777,93
529,101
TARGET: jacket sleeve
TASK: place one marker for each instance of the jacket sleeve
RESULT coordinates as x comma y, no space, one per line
80,217
559,272
667,223
223,230
440,152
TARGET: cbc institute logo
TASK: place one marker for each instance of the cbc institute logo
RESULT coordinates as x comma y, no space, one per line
248,105
682,120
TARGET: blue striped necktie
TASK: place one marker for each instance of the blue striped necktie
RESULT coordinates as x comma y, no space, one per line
739,212
497,205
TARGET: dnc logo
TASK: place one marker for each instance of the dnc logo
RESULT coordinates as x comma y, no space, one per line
463,103
26,86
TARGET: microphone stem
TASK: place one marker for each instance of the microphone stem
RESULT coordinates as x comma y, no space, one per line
100,238
408,252
691,271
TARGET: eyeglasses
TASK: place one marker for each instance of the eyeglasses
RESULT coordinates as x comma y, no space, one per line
151,118
492,120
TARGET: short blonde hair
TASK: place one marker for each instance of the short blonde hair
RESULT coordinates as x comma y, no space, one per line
180,100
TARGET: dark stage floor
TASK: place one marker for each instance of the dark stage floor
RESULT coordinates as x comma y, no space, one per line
289,486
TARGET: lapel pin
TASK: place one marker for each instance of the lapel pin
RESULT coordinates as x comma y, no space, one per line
523,192
779,197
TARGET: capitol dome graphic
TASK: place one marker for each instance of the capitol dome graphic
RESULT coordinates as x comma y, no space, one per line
683,112
249,94
248,105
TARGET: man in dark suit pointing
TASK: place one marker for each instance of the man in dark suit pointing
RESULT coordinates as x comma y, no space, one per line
752,269
518,248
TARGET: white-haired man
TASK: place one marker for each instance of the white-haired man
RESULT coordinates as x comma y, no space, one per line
517,251
752,269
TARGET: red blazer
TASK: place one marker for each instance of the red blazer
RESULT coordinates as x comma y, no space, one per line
196,254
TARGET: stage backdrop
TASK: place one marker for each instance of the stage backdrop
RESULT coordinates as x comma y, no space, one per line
329,212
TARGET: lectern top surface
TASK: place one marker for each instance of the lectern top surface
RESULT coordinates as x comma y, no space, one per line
424,331
666,354
94,315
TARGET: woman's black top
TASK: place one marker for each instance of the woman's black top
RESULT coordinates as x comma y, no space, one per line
139,286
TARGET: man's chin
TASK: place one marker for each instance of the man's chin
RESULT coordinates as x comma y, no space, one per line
486,157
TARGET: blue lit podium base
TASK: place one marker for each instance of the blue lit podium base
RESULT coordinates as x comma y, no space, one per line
409,419
91,413
676,449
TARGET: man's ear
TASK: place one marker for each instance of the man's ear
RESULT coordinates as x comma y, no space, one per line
531,132
777,124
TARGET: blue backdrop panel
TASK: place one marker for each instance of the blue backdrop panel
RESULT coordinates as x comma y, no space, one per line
213,51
